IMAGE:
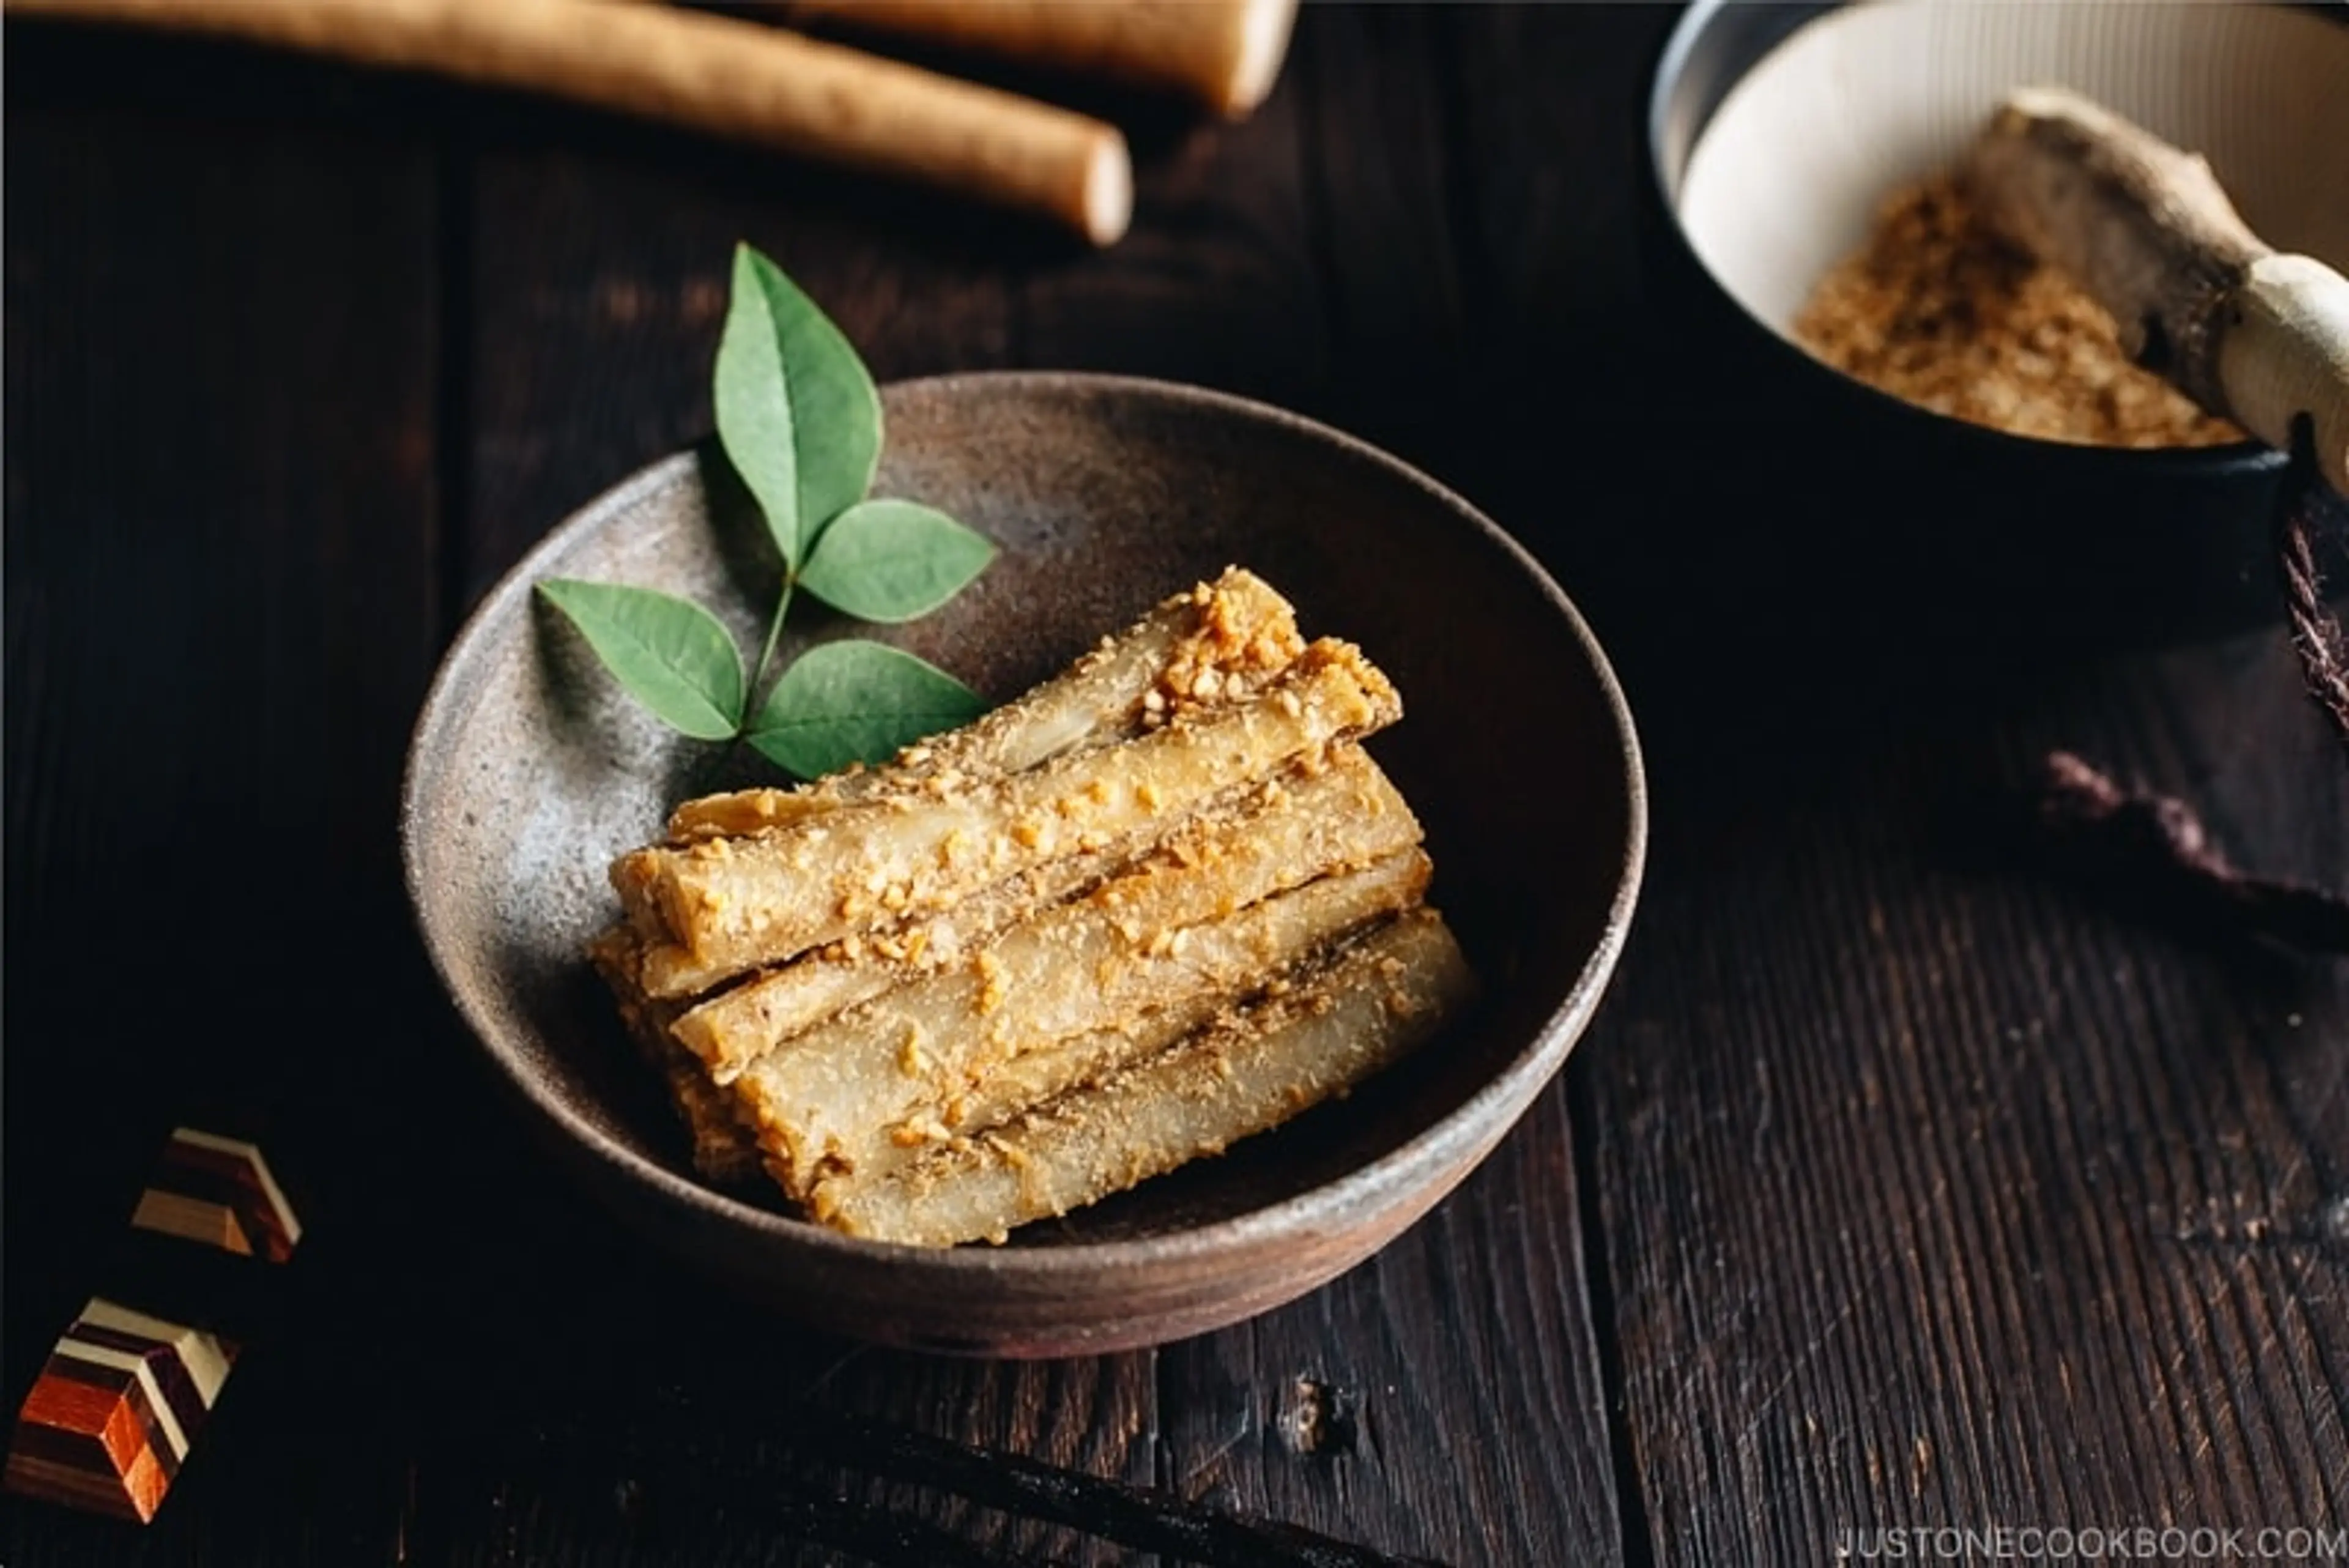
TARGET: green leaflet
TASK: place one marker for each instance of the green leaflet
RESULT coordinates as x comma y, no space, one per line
672,655
856,702
800,420
894,560
797,411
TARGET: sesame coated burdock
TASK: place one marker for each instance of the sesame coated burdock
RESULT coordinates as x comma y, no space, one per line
1252,1069
1165,892
722,906
846,1096
1219,641
1941,310
1275,836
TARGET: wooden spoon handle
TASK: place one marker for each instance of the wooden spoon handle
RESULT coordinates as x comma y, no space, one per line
2285,354
2251,335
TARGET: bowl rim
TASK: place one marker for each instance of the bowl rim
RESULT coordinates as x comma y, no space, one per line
1390,1181
2246,456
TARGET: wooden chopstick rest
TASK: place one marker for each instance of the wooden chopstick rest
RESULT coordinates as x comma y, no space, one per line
131,1383
116,1411
219,1191
715,73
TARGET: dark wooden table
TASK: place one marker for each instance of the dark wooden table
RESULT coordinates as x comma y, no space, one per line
1902,1183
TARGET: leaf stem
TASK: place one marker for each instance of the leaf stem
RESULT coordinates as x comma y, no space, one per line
767,654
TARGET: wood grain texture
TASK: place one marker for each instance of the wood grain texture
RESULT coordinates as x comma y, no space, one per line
1959,1198
1570,409
1442,1401
1381,171
1927,1189
1218,285
219,519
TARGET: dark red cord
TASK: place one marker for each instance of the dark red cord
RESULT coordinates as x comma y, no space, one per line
2153,849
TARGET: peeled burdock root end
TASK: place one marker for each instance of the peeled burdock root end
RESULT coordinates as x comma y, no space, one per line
1163,902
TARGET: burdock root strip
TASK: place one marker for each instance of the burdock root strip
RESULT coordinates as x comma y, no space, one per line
730,904
835,1097
1237,627
1287,831
1380,999
724,1148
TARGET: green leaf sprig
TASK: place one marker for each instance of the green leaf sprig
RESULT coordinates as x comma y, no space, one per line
800,420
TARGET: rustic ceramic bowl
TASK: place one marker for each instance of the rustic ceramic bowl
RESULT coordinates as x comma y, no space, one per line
1775,130
528,772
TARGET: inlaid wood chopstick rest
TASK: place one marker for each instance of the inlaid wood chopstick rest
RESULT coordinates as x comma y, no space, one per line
219,1191
714,73
127,1392
116,1411
1221,54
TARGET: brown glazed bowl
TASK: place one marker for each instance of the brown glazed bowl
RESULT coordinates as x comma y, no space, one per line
529,771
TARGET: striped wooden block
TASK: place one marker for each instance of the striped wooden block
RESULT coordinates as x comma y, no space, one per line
218,1191
111,1417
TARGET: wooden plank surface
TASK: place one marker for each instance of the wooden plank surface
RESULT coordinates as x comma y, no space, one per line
1900,1182
1938,1192
220,610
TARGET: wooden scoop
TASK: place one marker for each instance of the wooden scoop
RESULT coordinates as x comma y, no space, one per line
2251,333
